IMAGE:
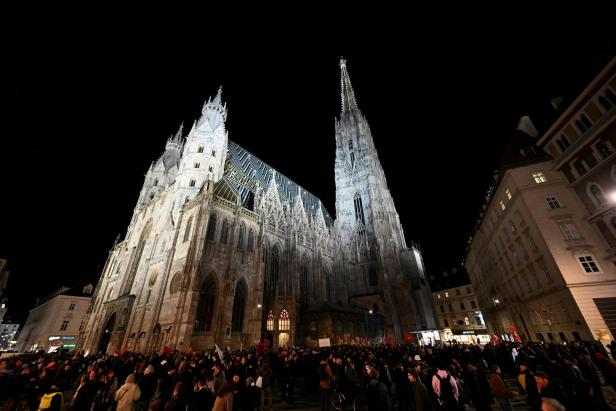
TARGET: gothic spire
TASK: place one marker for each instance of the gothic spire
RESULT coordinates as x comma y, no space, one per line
178,135
218,97
346,93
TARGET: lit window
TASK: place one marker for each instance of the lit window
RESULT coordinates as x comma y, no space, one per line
446,294
508,194
284,323
553,202
438,296
64,325
70,307
270,321
539,178
466,322
200,149
588,264
502,205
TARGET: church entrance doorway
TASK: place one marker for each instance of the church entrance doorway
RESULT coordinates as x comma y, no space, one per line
283,339
106,336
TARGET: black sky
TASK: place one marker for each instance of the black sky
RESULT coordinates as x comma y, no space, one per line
84,115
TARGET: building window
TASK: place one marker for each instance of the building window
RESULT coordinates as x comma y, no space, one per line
251,241
442,308
192,183
539,177
71,307
588,264
205,308
508,194
240,237
372,277
197,165
576,336
304,287
359,209
502,205
446,294
462,307
210,169
450,307
239,305
468,290
284,323
446,322
596,194
583,124
186,200
64,325
187,231
570,231
270,322
466,321
580,167
457,291
553,202
156,182
314,331
604,149
211,228
224,232
550,337
563,142
540,336
438,296
533,246
213,153
473,304
200,150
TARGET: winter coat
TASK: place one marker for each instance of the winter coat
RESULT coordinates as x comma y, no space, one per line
224,403
127,396
497,384
421,397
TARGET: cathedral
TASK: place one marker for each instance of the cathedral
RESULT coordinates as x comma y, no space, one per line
222,248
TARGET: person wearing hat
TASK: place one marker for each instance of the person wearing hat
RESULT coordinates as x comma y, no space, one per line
52,400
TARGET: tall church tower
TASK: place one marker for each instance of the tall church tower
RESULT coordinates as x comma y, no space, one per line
204,153
385,275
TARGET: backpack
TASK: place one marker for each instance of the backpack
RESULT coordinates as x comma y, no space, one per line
447,398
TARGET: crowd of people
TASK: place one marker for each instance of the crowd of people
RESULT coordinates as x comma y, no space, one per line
373,378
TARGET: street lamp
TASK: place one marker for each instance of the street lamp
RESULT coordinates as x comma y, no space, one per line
613,196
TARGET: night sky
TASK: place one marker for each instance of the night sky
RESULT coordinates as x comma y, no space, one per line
84,116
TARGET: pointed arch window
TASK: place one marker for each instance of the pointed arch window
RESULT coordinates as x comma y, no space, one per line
351,152
251,241
372,277
240,237
303,283
187,230
200,150
205,309
359,209
224,232
239,305
596,194
270,321
156,182
284,322
211,228
192,182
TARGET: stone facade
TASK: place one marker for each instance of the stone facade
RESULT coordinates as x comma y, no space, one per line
223,249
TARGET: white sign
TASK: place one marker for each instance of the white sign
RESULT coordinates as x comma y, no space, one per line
324,342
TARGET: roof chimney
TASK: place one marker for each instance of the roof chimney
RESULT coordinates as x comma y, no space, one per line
555,102
527,126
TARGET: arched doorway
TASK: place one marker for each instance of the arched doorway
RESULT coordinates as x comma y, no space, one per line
106,336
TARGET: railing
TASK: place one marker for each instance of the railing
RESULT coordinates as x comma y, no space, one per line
225,203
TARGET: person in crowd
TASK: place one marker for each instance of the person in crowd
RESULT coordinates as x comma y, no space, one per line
420,395
499,389
445,388
128,395
549,389
224,398
203,398
526,379
52,400
326,380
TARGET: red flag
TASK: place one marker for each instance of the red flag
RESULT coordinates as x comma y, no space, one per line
167,350
408,336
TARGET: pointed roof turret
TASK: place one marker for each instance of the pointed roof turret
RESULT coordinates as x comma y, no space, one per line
218,97
178,135
347,95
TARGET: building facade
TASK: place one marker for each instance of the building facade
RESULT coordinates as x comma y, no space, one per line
458,315
533,259
55,321
4,279
224,249
582,142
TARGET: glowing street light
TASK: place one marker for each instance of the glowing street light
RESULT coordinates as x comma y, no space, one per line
258,305
370,311
613,196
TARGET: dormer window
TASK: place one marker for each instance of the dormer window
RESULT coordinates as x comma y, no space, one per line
200,150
